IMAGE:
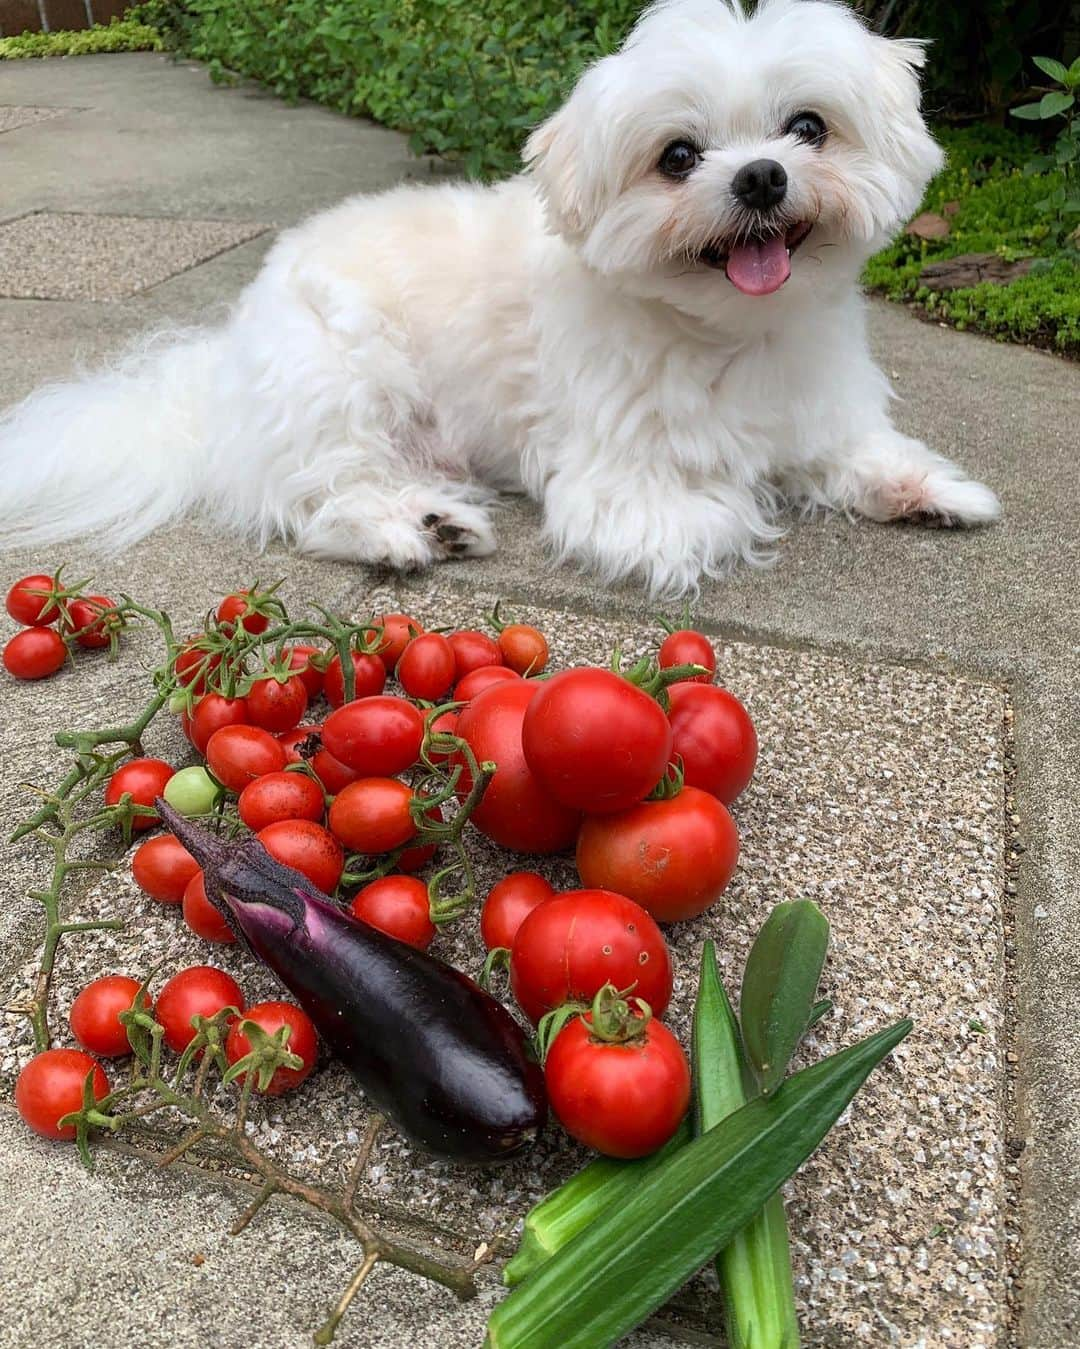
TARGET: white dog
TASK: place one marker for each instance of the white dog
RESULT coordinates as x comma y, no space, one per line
655,332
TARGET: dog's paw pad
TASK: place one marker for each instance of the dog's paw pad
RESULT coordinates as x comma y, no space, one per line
467,533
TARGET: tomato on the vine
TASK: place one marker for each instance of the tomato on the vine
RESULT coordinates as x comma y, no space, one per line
95,1014
34,653
370,678
473,650
688,647
674,857
237,755
200,990
280,796
32,611
426,668
301,657
144,780
91,625
162,867
51,1086
201,915
398,906
192,791
398,630
211,713
508,903
378,737
714,737
193,664
302,1041
306,847
373,815
277,705
478,680
523,648
239,606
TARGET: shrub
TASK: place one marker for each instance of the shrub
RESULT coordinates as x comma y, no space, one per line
121,35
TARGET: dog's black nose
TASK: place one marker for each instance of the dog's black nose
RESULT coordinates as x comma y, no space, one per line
760,185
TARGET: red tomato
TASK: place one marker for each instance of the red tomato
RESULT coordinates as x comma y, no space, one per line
275,705
523,648
713,735
51,1086
144,779
473,650
331,772
280,796
33,611
515,810
398,906
673,857
507,904
34,653
87,620
375,736
570,946
426,667
687,647
300,662
192,664
162,867
302,1041
95,1015
373,815
201,916
238,605
595,742
301,742
398,630
370,678
211,713
199,990
236,755
625,1100
306,847
482,679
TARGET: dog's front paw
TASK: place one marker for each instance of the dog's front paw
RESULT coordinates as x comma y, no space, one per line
932,495
459,530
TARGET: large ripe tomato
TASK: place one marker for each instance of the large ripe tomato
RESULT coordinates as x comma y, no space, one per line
398,630
29,609
515,810
687,647
88,620
398,906
673,857
301,663
595,742
479,680
201,916
570,946
238,606
277,705
426,668
143,779
308,848
508,903
280,796
34,653
162,867
237,755
373,815
524,648
302,1041
211,713
199,990
623,1099
95,1015
370,678
713,735
378,737
51,1086
473,650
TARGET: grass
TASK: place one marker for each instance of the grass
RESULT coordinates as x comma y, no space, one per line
122,35
998,211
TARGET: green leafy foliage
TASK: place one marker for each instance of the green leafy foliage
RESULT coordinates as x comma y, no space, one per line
122,35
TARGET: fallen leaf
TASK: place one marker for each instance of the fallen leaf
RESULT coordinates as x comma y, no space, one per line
950,208
928,226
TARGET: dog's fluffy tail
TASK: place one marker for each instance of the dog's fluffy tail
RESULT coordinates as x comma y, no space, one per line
124,449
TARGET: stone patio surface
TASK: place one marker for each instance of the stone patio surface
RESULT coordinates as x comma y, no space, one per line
920,726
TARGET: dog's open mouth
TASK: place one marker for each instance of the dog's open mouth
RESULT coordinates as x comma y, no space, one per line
758,265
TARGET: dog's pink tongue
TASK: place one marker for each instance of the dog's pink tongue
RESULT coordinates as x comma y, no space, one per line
760,266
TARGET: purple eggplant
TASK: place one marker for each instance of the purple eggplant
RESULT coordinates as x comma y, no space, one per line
445,1062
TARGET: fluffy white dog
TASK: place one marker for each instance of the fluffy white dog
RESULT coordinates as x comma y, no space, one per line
655,332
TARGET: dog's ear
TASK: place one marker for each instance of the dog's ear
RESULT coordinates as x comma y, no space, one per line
555,154
904,138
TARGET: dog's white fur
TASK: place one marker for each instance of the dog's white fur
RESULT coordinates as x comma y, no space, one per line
402,355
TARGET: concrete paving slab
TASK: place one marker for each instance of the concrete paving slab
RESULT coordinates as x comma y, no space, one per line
13,117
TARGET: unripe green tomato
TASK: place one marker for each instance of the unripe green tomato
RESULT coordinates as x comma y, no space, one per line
178,701
192,791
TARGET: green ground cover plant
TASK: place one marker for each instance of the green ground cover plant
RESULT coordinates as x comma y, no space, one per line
121,35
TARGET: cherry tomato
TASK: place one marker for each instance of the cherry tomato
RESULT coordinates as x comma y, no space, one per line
162,867
573,944
673,857
302,1041
32,611
95,1015
280,796
398,630
211,713
51,1086
515,810
426,668
473,650
398,906
595,742
88,620
523,648
237,755
34,653
331,772
199,990
375,736
372,815
306,847
507,904
482,679
201,916
370,678
624,1100
713,735
301,742
192,791
277,705
238,606
143,779
192,664
300,662
687,647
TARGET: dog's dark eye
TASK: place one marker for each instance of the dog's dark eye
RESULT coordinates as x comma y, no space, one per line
808,127
678,159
